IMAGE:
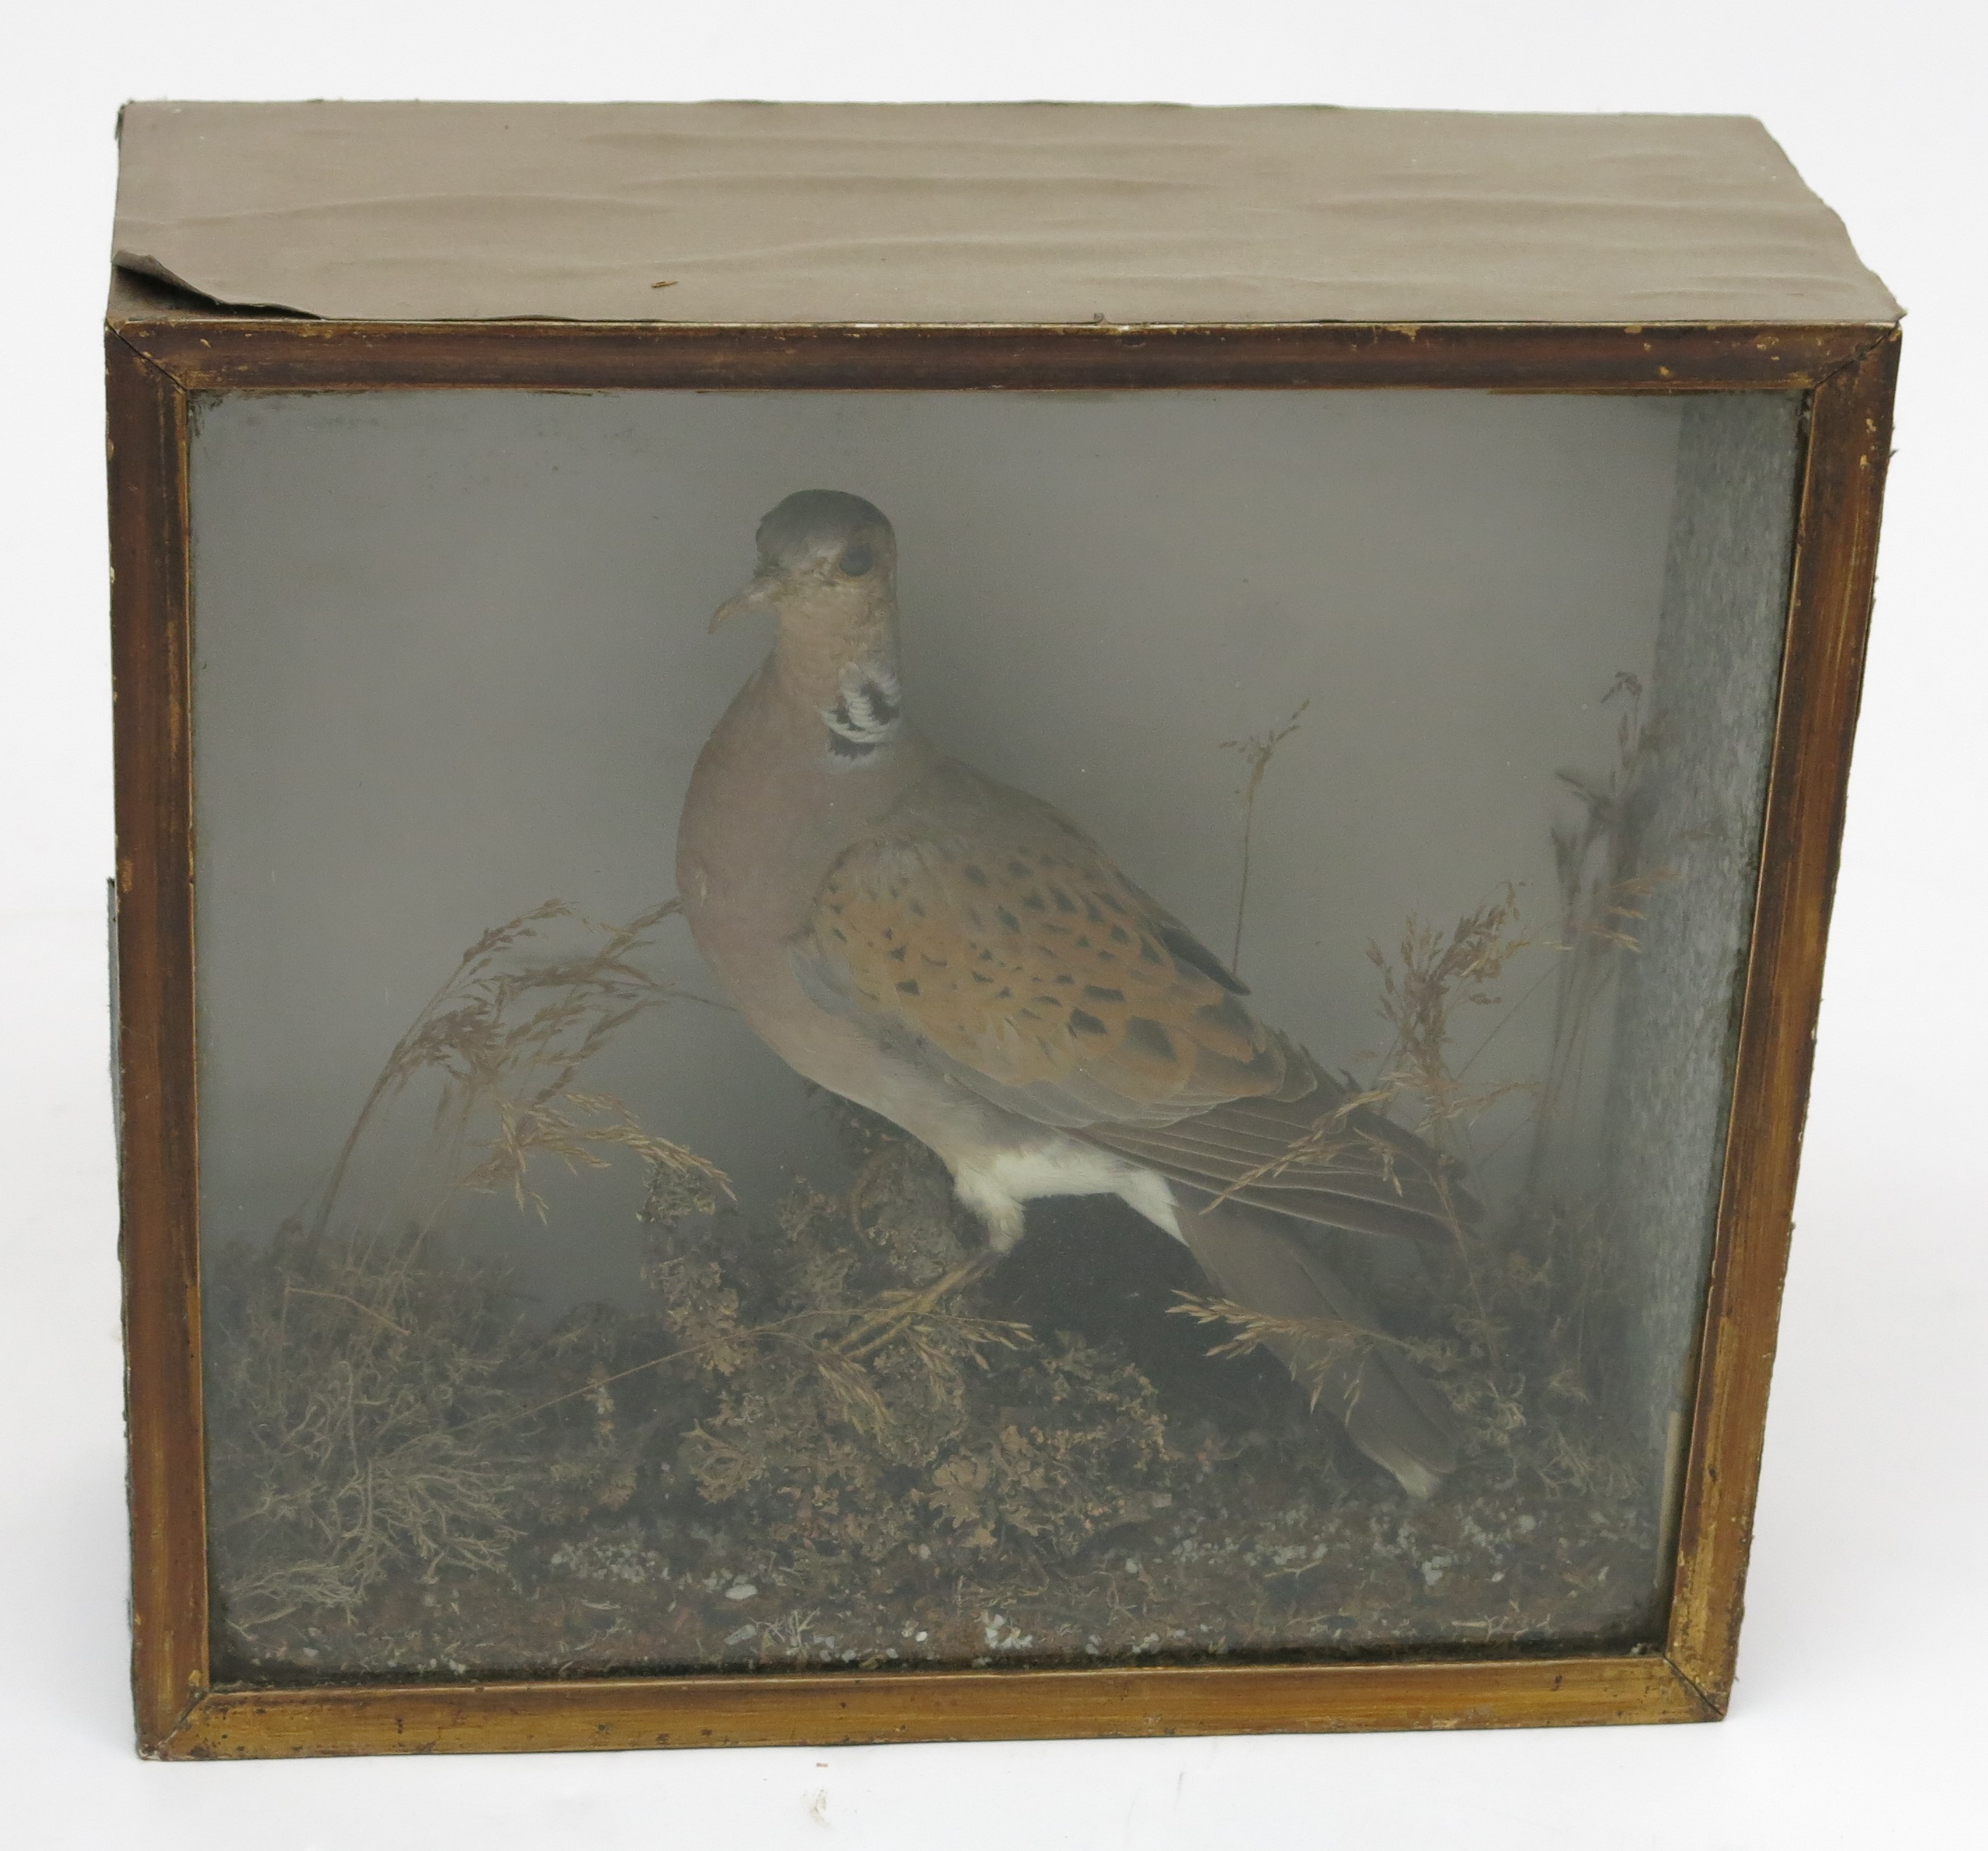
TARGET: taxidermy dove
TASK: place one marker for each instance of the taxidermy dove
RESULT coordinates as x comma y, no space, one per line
962,959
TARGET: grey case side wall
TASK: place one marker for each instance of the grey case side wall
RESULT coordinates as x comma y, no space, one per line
1697,812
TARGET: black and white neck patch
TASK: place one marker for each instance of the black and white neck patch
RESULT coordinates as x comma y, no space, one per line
866,717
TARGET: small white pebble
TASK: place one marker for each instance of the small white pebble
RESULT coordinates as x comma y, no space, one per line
741,1590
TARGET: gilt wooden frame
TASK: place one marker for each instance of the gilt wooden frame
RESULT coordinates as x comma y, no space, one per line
161,354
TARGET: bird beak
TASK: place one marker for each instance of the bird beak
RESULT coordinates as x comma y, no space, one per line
758,600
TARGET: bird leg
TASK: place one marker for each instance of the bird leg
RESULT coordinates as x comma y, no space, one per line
869,1334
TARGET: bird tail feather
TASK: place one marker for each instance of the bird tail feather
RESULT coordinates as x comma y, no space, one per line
1321,1327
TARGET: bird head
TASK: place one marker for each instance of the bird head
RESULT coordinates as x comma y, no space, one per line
827,561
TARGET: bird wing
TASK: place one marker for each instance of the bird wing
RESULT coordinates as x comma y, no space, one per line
982,927
978,931
1320,1155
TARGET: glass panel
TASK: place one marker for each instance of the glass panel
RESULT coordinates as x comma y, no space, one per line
1292,1246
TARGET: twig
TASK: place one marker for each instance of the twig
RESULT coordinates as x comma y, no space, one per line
310,1292
1257,750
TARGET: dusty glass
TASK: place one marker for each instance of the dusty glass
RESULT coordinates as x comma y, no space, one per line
554,1320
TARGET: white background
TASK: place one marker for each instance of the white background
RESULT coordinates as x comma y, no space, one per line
1854,1721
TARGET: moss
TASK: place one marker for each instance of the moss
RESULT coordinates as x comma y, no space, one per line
355,1398
822,1438
714,1479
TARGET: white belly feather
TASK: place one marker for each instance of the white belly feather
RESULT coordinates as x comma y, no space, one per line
994,1184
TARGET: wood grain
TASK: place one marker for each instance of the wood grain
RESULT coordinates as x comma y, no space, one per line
1843,481
773,1708
221,353
149,613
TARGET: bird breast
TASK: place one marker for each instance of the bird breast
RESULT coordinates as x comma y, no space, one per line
762,822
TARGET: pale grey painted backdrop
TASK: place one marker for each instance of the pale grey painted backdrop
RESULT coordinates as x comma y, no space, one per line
451,660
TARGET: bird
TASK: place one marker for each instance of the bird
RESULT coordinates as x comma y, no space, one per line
961,958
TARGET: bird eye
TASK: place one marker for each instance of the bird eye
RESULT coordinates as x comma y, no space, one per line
857,559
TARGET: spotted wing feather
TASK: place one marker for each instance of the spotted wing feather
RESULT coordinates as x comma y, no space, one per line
979,926
981,932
